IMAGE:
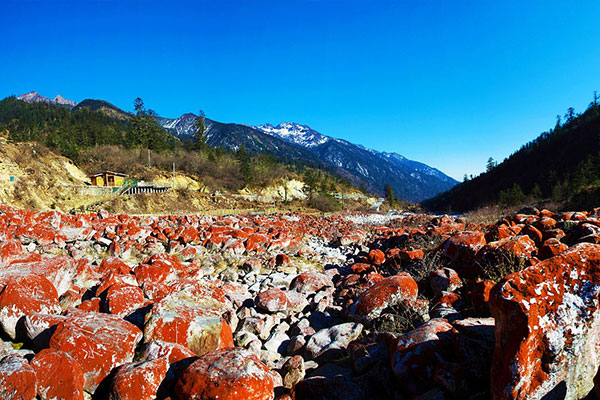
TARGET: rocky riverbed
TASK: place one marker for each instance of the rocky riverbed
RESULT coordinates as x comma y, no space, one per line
299,307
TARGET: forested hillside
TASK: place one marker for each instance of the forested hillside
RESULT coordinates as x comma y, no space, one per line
561,165
97,135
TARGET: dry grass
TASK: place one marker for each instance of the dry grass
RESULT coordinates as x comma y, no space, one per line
497,266
398,319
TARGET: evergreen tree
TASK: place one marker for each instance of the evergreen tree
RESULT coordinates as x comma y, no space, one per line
388,191
245,165
199,142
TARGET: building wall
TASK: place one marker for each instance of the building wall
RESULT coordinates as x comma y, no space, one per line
119,180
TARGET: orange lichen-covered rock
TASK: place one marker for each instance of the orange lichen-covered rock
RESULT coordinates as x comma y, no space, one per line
310,282
24,294
444,280
191,317
395,289
173,352
226,374
99,342
59,376
416,353
411,255
9,250
519,246
123,299
548,336
272,300
376,257
551,248
138,381
464,245
17,379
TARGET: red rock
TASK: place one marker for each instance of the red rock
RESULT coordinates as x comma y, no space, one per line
533,233
40,327
59,270
99,342
115,266
123,299
519,246
227,374
444,280
92,304
411,255
548,341
362,268
272,300
17,379
25,294
173,352
59,376
191,317
310,282
417,353
463,246
376,257
9,250
396,289
480,295
138,381
551,248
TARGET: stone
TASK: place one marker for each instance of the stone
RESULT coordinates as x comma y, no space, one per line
226,374
376,257
173,352
463,246
548,328
277,342
25,294
293,371
310,282
123,299
444,280
390,291
17,379
272,300
99,342
190,317
329,343
417,353
59,376
138,381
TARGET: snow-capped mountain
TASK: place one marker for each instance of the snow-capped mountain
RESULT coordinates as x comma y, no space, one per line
411,180
182,127
34,96
301,135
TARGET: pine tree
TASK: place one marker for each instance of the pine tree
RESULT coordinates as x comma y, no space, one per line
388,192
199,139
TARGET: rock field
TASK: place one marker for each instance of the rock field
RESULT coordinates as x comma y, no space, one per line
102,306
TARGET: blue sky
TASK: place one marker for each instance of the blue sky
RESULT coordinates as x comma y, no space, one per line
448,83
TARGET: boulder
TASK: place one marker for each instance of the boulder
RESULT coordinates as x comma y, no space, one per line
59,376
138,381
226,374
390,291
99,342
24,294
17,379
548,328
272,300
329,343
310,282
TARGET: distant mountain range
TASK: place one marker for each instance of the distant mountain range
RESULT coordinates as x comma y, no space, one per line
33,97
294,142
411,180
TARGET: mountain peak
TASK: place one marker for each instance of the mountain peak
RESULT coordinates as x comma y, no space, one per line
292,132
33,97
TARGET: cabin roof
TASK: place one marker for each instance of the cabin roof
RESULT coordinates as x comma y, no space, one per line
107,173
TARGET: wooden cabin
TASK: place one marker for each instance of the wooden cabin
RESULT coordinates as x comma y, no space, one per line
107,178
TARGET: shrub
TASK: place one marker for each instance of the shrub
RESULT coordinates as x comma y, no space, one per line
325,203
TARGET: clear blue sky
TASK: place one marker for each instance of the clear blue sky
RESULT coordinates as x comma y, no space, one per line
448,83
